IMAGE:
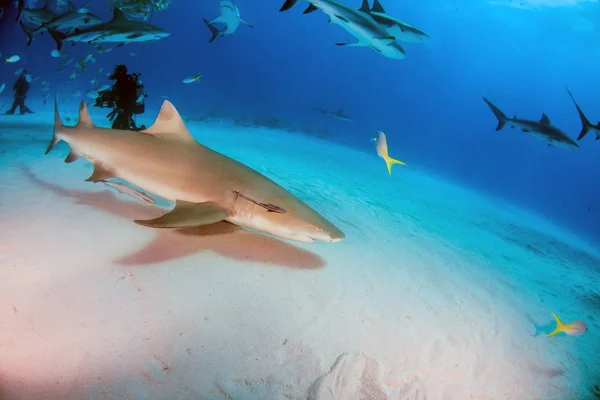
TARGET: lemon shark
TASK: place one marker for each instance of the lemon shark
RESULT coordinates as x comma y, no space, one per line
206,186
400,30
230,16
359,23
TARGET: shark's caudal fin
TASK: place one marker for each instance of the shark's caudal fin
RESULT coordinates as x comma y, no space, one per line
57,125
560,327
288,4
382,151
502,118
58,37
213,29
377,7
28,32
585,123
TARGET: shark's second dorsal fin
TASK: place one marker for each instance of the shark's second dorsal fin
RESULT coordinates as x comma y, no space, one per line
545,119
169,124
365,7
377,7
85,120
118,15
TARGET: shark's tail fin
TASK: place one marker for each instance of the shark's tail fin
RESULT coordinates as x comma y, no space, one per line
288,4
585,123
382,151
502,118
58,37
213,30
28,32
57,125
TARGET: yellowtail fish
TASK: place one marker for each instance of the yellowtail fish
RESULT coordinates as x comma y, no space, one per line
11,59
382,151
576,328
191,79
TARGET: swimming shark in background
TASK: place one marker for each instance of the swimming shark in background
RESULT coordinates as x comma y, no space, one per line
400,30
339,114
35,16
359,23
118,30
70,20
586,124
206,186
230,16
541,129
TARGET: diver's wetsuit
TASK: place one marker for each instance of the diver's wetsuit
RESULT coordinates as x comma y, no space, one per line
21,87
125,90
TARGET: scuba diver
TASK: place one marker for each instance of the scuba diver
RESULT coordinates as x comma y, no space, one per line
126,98
21,87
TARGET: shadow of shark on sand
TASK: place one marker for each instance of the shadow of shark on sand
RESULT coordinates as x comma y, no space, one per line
223,238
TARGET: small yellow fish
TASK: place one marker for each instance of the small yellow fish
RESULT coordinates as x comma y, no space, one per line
573,329
11,59
191,79
382,151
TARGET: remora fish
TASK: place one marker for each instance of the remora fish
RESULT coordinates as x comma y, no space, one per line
586,124
541,129
206,186
118,30
230,16
400,30
359,23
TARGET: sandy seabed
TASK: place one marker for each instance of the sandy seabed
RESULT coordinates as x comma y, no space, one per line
437,292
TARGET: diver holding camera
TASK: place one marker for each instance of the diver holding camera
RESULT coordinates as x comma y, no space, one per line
126,98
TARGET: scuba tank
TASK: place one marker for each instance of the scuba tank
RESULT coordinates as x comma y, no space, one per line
140,107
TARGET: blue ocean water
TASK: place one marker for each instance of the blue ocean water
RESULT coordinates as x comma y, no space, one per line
519,54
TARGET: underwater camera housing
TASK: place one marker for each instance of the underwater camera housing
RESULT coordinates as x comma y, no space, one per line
107,98
140,106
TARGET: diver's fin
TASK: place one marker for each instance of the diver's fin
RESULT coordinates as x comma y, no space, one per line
186,214
560,327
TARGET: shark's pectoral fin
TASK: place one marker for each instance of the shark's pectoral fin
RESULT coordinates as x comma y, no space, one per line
247,23
217,20
100,173
186,214
351,44
387,40
340,17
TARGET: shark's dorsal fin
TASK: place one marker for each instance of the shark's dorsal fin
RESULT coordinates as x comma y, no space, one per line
85,120
310,9
545,119
169,124
377,7
340,111
118,15
72,7
365,7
